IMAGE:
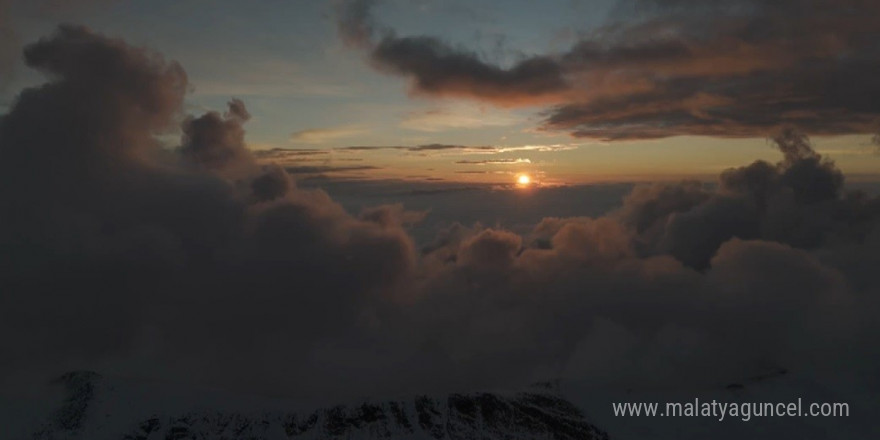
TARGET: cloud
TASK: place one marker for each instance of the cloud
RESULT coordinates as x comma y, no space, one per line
392,215
200,263
729,72
285,153
743,69
323,135
207,221
216,142
327,168
539,148
436,68
494,162
464,149
8,41
418,148
460,117
12,10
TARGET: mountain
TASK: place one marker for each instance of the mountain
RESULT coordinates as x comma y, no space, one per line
99,408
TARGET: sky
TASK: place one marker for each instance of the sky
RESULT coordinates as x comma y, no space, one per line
308,88
318,200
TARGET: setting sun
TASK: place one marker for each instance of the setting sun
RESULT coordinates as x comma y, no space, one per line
565,219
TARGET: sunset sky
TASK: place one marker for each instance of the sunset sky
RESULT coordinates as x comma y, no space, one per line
330,201
309,89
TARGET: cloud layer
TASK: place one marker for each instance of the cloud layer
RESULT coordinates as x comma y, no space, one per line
664,68
200,263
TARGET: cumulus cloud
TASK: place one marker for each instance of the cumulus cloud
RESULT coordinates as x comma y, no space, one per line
664,68
203,264
216,142
111,230
10,41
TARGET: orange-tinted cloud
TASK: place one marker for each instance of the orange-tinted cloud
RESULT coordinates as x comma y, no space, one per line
738,69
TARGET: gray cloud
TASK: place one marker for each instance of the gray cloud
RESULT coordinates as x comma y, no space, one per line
664,68
217,143
437,68
10,41
747,68
9,45
201,264
205,219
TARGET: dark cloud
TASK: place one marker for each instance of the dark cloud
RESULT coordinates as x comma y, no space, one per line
8,42
216,142
796,201
273,184
436,68
392,215
200,264
663,68
110,229
10,10
747,68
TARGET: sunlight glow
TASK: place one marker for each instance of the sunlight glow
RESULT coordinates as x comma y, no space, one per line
523,179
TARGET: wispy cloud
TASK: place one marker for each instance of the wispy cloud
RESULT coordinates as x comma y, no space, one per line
284,153
323,135
462,149
458,117
328,169
540,148
518,160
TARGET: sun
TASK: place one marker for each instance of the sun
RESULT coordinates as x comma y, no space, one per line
523,179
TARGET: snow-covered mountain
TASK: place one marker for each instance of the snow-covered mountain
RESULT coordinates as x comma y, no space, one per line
100,408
